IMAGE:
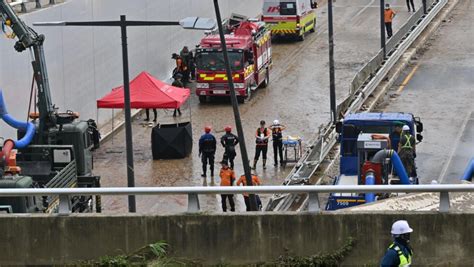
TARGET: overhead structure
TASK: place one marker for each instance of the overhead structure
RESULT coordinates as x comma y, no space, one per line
146,92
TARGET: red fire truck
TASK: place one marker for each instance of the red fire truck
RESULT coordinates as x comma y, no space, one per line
250,57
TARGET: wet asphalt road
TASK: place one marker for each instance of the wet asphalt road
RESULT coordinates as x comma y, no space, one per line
441,92
297,96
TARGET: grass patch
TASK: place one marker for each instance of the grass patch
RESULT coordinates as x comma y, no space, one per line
330,259
151,255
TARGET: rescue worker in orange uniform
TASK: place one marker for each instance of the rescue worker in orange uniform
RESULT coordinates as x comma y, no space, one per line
227,179
389,14
255,181
261,144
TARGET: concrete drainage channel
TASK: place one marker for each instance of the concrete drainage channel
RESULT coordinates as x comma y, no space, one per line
362,87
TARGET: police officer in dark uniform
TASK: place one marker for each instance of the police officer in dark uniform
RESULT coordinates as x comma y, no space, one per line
229,141
207,151
277,137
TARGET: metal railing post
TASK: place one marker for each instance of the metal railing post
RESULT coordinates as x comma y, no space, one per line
444,203
23,7
321,151
64,204
193,203
313,202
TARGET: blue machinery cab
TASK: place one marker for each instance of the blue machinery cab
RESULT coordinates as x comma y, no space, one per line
368,146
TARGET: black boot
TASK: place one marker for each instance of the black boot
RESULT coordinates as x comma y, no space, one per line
203,171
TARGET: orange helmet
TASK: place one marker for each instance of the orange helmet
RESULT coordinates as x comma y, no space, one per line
207,129
228,129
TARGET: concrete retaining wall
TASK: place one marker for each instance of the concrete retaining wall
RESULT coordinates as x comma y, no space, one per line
438,239
85,63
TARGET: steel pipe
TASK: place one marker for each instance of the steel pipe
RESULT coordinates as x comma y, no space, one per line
238,190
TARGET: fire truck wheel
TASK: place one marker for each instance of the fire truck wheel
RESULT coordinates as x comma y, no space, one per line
249,94
301,37
267,79
202,99
240,99
314,26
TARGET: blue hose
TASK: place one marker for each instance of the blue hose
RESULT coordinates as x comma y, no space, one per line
469,172
397,164
369,180
20,125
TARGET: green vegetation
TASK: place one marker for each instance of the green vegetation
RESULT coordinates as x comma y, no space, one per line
331,259
156,255
151,255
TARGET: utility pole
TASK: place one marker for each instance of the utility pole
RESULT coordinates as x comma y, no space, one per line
235,106
382,28
332,78
128,118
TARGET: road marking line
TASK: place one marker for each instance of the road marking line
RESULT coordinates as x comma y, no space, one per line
407,79
364,9
442,175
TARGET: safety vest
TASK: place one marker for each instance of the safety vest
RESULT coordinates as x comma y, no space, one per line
277,133
180,66
404,260
408,142
260,142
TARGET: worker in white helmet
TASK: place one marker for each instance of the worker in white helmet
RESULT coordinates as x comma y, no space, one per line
277,137
407,151
399,253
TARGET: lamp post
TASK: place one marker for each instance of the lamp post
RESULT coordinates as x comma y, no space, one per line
235,106
123,23
332,78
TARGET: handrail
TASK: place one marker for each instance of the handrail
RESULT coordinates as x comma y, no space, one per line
193,192
277,189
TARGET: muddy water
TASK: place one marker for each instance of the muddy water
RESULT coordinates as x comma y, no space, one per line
297,96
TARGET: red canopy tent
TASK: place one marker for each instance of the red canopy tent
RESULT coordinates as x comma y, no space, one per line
146,92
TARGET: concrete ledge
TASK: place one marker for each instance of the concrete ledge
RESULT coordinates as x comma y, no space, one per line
440,239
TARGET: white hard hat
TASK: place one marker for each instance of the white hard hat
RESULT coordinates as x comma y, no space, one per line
406,128
275,122
401,227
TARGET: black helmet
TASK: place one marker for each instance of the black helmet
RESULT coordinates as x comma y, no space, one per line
174,56
262,122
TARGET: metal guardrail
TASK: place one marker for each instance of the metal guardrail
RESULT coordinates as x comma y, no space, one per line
362,85
193,200
364,92
22,4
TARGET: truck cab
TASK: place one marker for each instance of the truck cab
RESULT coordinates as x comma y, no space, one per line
292,18
249,48
368,148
